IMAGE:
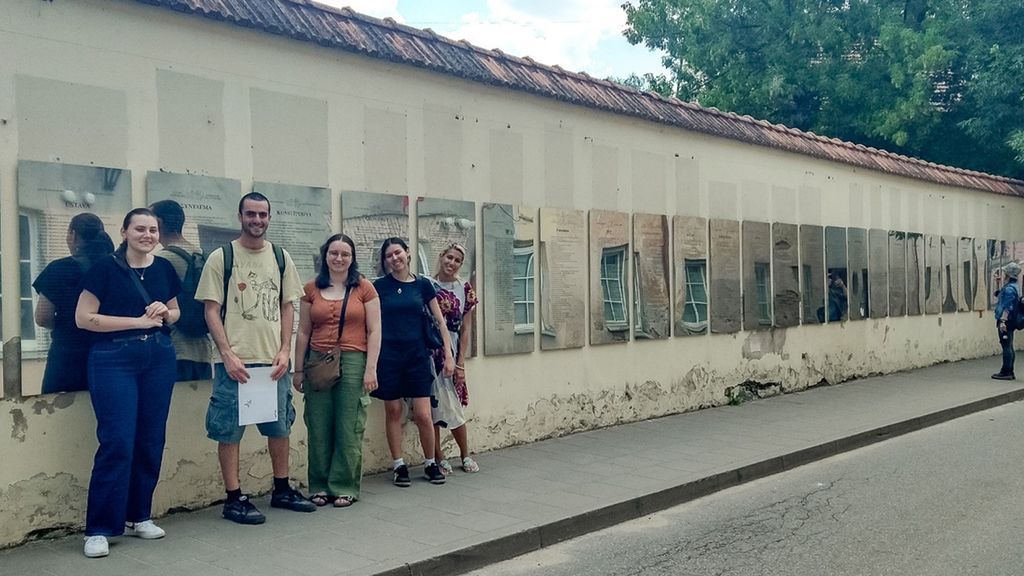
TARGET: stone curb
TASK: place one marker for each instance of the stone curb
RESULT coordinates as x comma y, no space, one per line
533,539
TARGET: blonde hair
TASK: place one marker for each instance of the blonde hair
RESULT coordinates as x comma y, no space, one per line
447,248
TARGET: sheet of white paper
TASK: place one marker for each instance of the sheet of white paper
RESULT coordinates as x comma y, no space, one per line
257,398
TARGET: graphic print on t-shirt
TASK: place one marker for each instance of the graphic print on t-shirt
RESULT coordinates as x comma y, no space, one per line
262,297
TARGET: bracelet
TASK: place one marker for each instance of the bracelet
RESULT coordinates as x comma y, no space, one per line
458,367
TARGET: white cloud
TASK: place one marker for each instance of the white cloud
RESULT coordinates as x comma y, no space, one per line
578,35
566,33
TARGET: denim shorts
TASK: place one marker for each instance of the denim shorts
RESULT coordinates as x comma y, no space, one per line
222,414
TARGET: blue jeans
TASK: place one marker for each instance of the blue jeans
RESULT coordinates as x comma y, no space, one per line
130,384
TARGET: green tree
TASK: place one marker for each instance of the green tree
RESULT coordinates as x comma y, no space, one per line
937,79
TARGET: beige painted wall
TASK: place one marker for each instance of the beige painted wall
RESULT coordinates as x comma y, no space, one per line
120,84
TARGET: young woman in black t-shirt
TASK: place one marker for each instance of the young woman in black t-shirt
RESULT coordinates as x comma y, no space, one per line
403,370
128,301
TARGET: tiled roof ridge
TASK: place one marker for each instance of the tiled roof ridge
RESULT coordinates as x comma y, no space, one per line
526,74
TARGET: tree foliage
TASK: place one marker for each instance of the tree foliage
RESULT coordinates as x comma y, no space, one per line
936,79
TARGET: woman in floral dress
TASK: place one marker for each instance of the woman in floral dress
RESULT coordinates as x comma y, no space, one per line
457,299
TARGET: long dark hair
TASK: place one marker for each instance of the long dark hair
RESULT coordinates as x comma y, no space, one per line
91,241
384,248
122,250
323,277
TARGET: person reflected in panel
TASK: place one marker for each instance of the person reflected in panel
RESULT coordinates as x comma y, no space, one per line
128,302
457,300
190,334
335,411
837,298
1007,319
58,287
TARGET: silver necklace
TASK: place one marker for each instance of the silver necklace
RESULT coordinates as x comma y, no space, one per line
141,274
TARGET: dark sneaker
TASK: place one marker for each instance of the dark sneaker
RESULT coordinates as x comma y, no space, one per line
243,511
1001,376
293,500
402,476
433,473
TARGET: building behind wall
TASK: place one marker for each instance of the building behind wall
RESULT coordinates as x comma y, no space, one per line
150,86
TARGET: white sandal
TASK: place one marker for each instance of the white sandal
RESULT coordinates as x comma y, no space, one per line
470,465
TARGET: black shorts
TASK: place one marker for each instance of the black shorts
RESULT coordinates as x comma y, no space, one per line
407,376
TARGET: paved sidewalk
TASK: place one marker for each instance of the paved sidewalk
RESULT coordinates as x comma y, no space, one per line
532,496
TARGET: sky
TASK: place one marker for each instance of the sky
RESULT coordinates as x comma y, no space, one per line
578,35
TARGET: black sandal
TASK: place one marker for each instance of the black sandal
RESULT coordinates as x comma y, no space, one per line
320,499
343,501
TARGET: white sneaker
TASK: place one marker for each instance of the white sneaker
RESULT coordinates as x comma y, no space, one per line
145,530
96,546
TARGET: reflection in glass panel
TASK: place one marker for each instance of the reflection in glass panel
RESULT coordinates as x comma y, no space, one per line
836,269
980,284
651,307
932,268
610,256
210,206
757,274
897,273
726,298
563,278
968,274
991,269
210,210
301,223
370,218
812,272
510,269
1002,250
50,195
915,274
786,281
950,274
439,224
691,273
857,239
878,266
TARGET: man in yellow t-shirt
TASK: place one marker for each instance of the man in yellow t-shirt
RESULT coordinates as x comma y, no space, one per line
255,330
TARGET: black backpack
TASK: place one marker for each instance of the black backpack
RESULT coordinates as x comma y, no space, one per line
193,312
1017,314
229,263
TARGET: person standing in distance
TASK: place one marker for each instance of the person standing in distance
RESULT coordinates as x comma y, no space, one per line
251,323
1006,309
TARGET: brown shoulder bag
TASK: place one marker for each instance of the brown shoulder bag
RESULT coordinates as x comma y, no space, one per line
324,372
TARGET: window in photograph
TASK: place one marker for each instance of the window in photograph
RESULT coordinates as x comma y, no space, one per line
613,288
695,313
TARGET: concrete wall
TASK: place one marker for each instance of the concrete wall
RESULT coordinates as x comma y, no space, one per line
114,83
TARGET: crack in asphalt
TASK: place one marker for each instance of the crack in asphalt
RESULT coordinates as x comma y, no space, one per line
737,544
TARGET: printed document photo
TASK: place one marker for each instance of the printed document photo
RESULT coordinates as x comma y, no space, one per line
257,398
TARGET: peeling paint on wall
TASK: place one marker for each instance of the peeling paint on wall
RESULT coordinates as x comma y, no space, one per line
31,503
52,403
19,425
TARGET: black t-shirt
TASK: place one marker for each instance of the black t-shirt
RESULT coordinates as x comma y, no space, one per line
117,293
401,311
61,283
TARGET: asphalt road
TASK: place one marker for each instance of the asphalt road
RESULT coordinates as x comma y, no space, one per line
947,500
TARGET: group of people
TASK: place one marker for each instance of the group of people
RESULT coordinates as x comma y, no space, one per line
115,309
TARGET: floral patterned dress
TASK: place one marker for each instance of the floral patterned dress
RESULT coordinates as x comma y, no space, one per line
455,299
